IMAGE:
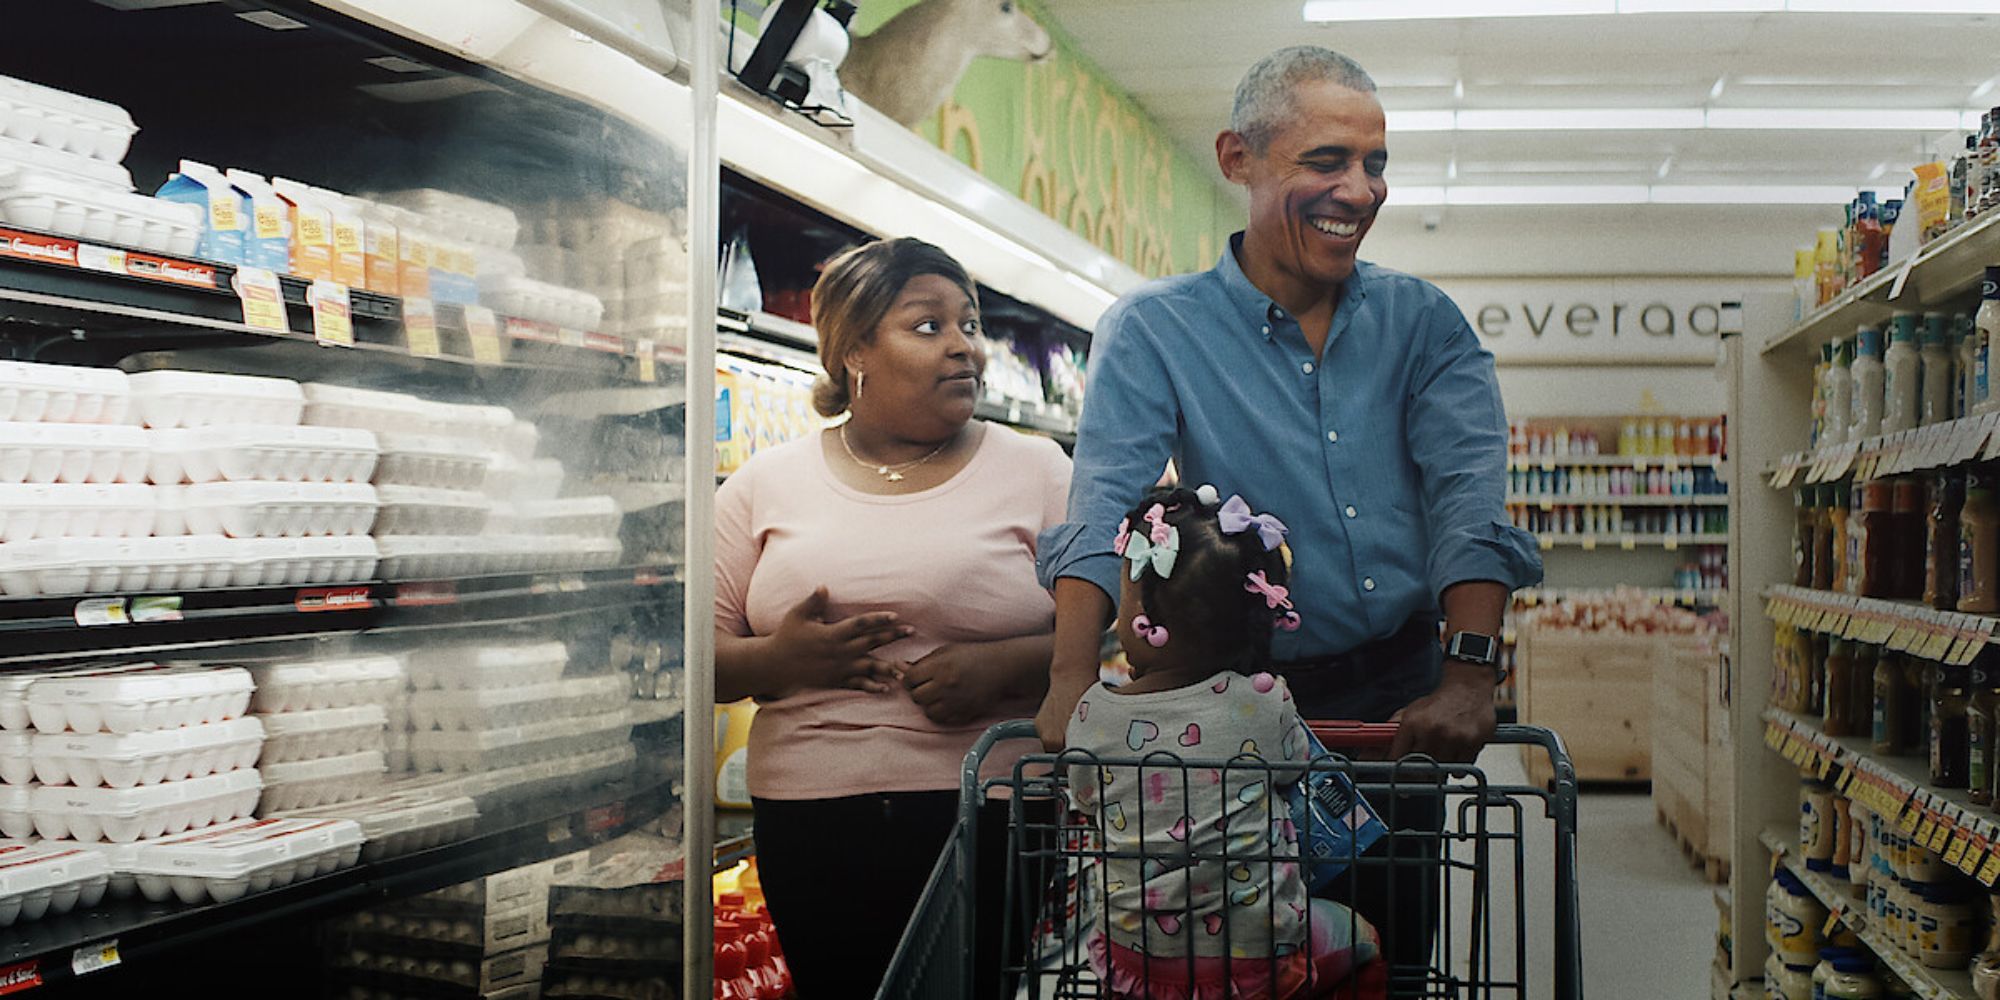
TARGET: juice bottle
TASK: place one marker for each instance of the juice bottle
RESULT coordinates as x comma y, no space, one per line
1861,681
1826,265
1839,395
1979,547
1840,689
1980,712
1807,507
1939,370
1902,383
1871,242
1986,330
1941,541
1907,521
1804,294
1870,380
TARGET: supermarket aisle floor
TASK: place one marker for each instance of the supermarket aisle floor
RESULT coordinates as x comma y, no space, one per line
1647,917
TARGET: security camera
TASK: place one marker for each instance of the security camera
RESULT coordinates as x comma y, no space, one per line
1431,221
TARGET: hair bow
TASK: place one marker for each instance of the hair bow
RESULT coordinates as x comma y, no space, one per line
1156,516
1274,595
1235,518
1124,535
1141,551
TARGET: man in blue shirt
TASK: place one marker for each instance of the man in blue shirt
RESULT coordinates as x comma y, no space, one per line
1353,402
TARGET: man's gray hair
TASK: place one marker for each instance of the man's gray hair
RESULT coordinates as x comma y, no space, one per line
1264,98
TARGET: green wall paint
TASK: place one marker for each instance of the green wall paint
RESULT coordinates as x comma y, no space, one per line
1062,137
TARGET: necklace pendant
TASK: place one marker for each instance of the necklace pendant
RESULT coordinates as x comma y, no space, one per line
895,477
881,470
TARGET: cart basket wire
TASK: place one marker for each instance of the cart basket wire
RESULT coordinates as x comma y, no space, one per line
1455,859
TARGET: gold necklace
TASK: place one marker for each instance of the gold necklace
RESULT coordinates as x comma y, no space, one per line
892,473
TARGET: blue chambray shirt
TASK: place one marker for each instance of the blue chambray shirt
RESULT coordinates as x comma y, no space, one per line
1386,458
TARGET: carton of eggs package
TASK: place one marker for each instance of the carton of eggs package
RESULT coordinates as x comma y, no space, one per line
290,737
136,698
307,784
123,761
230,861
499,708
124,815
330,682
402,822
40,879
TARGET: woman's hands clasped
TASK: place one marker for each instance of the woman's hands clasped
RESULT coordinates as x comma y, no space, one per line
836,654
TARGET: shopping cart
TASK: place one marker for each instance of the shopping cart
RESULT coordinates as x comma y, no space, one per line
1468,877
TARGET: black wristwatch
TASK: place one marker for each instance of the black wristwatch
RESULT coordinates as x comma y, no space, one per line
1477,648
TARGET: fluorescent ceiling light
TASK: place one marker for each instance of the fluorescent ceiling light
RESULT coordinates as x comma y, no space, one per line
1672,119
1411,10
1625,194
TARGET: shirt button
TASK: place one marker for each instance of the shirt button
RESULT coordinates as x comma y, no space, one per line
1333,437
1351,511
1308,366
1368,583
1267,331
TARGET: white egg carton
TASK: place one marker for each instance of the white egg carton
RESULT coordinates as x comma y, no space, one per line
61,120
39,879
72,453
590,516
167,399
20,154
430,460
234,860
17,811
520,440
430,557
509,479
500,708
305,784
396,751
137,698
123,815
17,758
337,682
63,394
14,716
485,750
258,509
490,426
366,409
58,567
123,761
457,217
487,666
29,511
402,822
67,206
327,732
302,562
254,452
419,510
516,295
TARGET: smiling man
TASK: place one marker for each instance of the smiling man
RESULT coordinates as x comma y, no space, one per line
1352,401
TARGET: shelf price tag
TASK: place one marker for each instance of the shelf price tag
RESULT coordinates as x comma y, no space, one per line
1589,543
1628,543
1547,542
1989,870
648,362
263,299
1671,542
484,331
332,312
420,328
1954,854
1941,836
94,957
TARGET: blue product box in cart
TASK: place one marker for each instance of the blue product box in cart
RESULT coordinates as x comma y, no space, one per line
1336,824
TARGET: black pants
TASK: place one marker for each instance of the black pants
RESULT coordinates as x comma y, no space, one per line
1397,885
842,876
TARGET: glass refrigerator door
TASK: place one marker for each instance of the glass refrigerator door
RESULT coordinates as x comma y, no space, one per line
355,343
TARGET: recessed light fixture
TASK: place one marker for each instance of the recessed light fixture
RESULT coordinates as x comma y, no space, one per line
1327,11
270,19
1682,119
1625,194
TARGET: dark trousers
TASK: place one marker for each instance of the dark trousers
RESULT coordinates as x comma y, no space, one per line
842,876
1396,885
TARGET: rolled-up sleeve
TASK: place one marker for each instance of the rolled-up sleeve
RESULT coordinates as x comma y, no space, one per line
1123,444
1458,437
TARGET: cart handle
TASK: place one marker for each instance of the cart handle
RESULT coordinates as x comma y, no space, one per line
1354,734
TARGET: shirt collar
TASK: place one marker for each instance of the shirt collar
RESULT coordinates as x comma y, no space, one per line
1256,308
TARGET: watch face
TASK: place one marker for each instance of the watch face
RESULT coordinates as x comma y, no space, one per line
1475,647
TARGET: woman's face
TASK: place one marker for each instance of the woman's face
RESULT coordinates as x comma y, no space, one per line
924,369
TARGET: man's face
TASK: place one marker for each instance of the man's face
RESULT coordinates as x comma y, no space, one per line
1315,190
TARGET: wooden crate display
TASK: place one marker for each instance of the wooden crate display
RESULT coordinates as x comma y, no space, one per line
1692,776
1593,689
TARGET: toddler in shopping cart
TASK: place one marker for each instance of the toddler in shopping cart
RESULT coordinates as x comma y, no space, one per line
1194,904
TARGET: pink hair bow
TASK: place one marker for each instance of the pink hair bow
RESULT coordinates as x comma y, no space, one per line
1124,536
1157,517
1275,596
1235,518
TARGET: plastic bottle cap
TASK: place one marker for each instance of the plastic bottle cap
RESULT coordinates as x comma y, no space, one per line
728,932
1860,964
1871,341
1937,328
1990,288
1903,328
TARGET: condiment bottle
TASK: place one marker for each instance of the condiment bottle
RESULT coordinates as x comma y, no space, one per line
1870,539
1792,920
1940,369
1840,690
1947,925
1807,521
1986,323
1853,979
1969,382
1918,680
1941,541
1830,538
1814,647
1839,395
1902,384
1905,571
1948,735
1890,702
1979,547
1818,830
1861,699
1865,405
1981,712
1986,968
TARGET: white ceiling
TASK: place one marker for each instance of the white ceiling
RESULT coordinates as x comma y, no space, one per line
1182,58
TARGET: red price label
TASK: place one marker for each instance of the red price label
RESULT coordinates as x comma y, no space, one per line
604,818
21,977
422,595
333,599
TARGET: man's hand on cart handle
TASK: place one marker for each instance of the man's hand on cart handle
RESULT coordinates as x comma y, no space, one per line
1452,723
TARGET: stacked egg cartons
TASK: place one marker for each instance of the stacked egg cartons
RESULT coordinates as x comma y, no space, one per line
504,719
633,260
487,937
60,173
442,465
615,929
326,723
282,504
74,507
122,758
488,232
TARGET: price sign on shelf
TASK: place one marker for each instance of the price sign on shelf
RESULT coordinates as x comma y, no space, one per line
648,361
483,329
94,957
332,312
420,329
263,299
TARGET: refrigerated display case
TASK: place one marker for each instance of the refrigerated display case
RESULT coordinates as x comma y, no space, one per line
347,536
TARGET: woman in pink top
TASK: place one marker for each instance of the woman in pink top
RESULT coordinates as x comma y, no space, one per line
876,593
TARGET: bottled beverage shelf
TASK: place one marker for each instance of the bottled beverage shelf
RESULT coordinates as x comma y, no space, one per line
1624,542
1636,500
1668,462
1946,268
1905,626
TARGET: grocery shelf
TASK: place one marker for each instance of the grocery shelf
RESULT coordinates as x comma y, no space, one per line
1925,982
1904,626
1945,820
71,284
1636,500
1668,462
1023,415
1662,595
1936,446
1947,267
789,332
136,930
1628,541
38,629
